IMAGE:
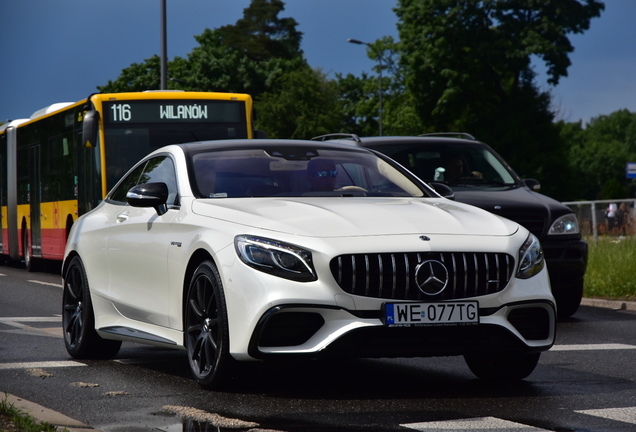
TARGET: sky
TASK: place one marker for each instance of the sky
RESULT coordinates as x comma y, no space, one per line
61,50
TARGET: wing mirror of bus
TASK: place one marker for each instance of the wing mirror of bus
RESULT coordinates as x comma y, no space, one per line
149,195
90,128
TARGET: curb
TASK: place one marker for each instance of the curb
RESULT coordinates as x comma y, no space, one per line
42,414
609,304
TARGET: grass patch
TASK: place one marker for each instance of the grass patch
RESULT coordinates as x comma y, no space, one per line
23,422
611,269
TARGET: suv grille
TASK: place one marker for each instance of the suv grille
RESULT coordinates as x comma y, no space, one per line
533,223
392,275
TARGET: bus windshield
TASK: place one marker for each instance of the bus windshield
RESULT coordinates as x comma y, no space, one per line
132,129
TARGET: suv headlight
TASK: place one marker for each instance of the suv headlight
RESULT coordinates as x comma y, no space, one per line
276,258
531,259
567,224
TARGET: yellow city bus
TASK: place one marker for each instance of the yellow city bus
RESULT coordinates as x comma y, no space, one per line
61,162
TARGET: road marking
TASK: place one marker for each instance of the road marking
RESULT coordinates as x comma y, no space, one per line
26,329
40,365
626,415
473,424
46,283
9,320
589,347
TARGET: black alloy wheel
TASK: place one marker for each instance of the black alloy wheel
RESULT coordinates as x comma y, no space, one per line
206,324
78,319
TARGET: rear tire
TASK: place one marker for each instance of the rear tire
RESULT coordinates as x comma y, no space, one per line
78,319
206,328
29,261
502,367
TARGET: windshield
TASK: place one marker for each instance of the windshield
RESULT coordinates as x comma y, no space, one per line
268,172
135,128
458,165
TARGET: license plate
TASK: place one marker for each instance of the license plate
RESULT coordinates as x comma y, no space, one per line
431,314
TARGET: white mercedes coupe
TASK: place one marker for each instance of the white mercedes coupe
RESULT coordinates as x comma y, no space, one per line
245,250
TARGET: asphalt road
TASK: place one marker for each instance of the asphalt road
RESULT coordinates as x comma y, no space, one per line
587,382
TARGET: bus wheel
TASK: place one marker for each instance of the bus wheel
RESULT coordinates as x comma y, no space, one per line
29,262
78,318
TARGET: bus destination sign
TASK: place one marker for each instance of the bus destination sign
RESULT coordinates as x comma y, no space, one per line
166,111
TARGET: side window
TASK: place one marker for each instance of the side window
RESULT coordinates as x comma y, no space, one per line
119,194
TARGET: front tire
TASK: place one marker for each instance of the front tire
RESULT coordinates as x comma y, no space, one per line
206,326
502,367
78,319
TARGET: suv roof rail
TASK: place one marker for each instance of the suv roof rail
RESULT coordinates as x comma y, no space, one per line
458,134
354,137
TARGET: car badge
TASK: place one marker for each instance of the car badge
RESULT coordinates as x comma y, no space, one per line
431,277
425,238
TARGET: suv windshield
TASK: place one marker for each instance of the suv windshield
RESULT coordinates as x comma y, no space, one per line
263,172
467,165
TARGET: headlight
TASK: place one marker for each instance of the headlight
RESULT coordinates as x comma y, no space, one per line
531,259
276,258
567,224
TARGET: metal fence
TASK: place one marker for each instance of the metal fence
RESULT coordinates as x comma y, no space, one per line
605,217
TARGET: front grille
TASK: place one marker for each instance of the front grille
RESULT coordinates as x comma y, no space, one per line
533,223
392,275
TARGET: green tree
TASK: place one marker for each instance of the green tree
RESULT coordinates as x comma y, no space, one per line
467,64
304,104
599,153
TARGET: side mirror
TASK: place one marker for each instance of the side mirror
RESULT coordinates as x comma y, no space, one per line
90,126
149,195
443,189
532,184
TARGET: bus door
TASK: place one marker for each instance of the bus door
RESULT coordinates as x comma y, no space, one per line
35,197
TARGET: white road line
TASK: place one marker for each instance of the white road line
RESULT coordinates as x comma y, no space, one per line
473,424
589,347
626,415
40,365
57,318
46,283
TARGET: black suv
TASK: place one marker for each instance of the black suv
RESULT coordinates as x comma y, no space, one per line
477,175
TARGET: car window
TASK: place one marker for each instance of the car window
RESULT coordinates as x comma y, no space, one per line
156,170
313,172
455,164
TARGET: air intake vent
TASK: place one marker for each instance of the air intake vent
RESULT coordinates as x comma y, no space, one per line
393,275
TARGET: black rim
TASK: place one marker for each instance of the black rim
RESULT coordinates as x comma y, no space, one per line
73,305
204,327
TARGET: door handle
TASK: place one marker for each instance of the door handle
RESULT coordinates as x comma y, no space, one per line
122,217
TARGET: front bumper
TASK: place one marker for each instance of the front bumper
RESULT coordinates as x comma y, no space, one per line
566,260
317,331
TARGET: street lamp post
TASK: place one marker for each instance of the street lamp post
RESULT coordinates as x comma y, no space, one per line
357,42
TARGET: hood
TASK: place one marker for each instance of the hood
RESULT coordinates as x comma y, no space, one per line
349,217
516,199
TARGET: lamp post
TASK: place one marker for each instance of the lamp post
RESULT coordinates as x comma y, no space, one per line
164,48
357,42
